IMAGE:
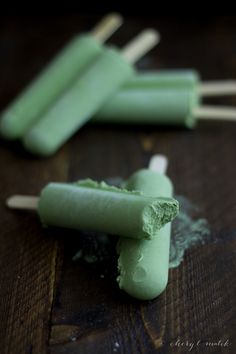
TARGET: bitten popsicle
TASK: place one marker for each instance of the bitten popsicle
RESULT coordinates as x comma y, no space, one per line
92,206
143,264
79,53
87,95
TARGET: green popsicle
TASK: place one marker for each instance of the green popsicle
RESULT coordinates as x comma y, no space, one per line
154,97
143,264
88,205
55,78
80,52
151,106
87,95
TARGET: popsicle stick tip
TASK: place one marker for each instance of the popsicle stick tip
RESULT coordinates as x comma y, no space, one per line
107,26
22,202
116,17
225,113
140,45
158,163
10,201
151,34
217,88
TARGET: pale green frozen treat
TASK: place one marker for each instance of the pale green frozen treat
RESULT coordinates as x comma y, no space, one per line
148,106
89,205
81,101
28,107
143,264
178,78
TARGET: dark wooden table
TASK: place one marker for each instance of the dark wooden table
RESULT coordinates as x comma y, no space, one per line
50,304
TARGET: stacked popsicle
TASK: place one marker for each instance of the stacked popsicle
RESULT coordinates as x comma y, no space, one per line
140,215
56,105
59,74
88,80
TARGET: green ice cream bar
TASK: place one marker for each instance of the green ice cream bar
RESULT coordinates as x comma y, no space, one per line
163,79
149,106
89,205
27,108
143,264
84,98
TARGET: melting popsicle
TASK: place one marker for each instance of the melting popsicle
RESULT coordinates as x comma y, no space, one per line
92,206
143,264
87,95
79,53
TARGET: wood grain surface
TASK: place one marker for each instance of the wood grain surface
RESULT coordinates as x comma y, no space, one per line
52,304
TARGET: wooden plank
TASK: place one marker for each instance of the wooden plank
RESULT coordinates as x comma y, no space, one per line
27,256
51,303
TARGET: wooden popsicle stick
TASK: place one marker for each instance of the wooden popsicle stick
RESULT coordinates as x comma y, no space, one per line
217,88
23,202
158,163
140,45
215,113
107,26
